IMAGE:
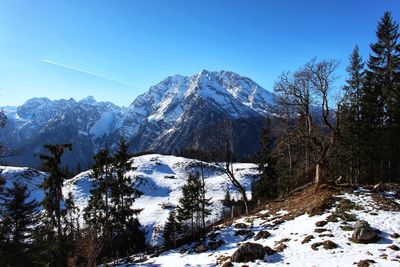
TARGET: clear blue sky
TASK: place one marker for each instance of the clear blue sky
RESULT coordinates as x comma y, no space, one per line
134,44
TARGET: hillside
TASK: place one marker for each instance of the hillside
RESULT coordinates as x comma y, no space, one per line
160,179
305,229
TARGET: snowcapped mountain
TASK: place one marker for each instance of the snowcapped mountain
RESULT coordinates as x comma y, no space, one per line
169,116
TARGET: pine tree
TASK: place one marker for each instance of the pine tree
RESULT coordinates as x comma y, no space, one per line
381,102
171,230
266,187
127,236
71,229
19,218
349,146
53,200
193,205
97,213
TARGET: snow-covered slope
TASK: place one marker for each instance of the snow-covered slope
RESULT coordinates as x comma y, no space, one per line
288,238
30,177
160,179
169,116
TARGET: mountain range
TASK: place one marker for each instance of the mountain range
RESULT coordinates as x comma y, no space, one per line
170,116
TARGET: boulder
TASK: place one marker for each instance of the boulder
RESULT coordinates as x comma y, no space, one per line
363,233
307,239
394,247
262,235
213,245
241,226
328,244
321,223
201,248
249,252
280,247
365,263
244,232
269,251
227,264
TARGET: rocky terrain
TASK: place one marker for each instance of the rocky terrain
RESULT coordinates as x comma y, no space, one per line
334,227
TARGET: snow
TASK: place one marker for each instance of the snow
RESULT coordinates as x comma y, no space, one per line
161,178
108,122
28,176
296,253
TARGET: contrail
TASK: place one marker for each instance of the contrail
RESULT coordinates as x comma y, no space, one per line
88,73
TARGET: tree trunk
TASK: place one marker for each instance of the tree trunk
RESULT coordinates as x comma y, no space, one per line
319,174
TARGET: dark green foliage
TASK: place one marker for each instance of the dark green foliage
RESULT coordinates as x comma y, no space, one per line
266,187
368,150
109,212
126,232
18,222
171,230
53,200
349,160
193,205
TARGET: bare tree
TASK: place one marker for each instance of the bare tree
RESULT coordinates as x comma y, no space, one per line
309,91
221,141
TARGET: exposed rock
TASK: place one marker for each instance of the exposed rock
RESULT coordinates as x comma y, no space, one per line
245,232
278,222
394,247
213,245
307,239
249,252
227,264
213,235
269,251
283,240
280,247
241,226
262,235
395,235
328,244
365,263
222,259
201,248
321,223
363,233
320,230
316,245
326,235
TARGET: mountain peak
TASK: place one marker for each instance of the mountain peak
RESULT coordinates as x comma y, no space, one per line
89,100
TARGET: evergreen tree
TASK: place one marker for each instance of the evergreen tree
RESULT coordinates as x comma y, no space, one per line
71,229
127,235
19,218
266,187
97,213
193,205
171,230
53,200
349,147
381,102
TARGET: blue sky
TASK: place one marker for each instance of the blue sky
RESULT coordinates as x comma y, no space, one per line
115,50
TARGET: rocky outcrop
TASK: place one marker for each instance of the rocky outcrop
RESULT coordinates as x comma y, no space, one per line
363,233
249,252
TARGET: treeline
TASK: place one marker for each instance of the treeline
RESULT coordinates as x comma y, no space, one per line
50,233
324,134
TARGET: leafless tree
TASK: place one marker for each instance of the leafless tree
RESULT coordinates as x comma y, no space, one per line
221,141
308,91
